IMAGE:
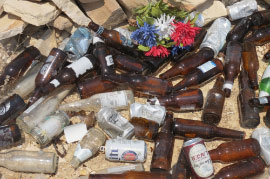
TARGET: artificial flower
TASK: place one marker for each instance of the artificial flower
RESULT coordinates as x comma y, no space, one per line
158,51
145,35
176,49
184,34
164,25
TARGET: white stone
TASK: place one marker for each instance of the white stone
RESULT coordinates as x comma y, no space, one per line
70,8
32,12
10,26
62,23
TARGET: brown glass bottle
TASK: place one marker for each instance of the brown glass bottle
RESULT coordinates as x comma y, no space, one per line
133,175
201,74
181,169
259,37
240,30
213,107
260,18
232,65
143,84
260,102
10,135
184,100
189,63
144,128
249,116
243,169
11,108
251,64
163,150
236,150
20,64
266,118
91,86
156,64
191,129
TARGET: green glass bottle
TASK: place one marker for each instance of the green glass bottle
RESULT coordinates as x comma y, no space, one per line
265,83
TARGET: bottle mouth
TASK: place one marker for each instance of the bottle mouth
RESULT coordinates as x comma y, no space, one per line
40,138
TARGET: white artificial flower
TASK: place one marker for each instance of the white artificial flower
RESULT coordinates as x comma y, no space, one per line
164,25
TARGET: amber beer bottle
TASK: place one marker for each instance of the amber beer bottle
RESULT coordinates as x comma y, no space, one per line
213,107
259,37
162,155
181,169
20,64
156,64
143,84
251,64
232,65
201,74
260,102
192,128
10,135
189,63
184,100
260,18
251,167
91,86
236,150
249,116
240,30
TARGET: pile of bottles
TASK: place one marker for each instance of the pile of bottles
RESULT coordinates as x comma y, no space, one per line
110,73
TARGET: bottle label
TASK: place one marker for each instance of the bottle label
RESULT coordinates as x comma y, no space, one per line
228,85
82,154
6,138
44,68
55,82
263,100
207,66
188,107
50,59
126,150
81,66
113,99
4,108
109,60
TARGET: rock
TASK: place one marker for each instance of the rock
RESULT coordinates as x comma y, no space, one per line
1,6
216,10
32,12
88,1
70,8
10,26
62,23
107,13
190,5
46,42
130,5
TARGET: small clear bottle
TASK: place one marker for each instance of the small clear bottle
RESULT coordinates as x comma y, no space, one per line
88,146
242,9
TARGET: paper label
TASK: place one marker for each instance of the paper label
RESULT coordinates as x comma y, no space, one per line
75,132
4,108
207,66
55,82
227,85
81,66
263,100
188,107
50,59
113,99
109,60
82,154
44,68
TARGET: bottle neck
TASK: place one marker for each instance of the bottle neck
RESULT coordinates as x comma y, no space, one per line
219,83
228,133
93,26
3,159
214,154
118,78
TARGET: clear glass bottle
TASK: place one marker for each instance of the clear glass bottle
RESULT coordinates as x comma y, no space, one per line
88,146
122,169
29,161
50,127
117,100
242,9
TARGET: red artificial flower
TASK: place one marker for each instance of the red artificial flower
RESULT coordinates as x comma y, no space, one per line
158,51
184,33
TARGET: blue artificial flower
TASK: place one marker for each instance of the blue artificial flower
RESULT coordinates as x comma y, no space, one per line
145,35
177,49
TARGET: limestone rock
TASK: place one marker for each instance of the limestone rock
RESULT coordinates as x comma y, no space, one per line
32,12
62,23
107,13
10,26
130,5
46,42
70,8
1,6
88,1
216,10
190,5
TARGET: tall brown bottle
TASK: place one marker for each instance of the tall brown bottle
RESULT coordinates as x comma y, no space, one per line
156,64
259,37
133,175
251,64
260,18
143,84
240,30
104,57
213,107
181,169
251,167
91,86
19,65
236,150
192,128
201,74
162,154
189,63
184,100
232,65
249,115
